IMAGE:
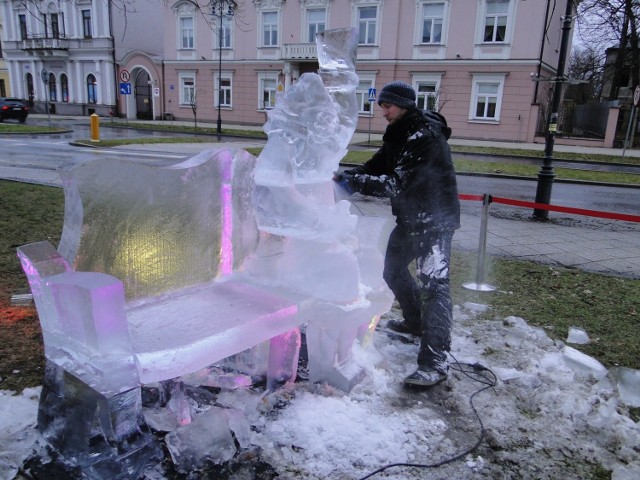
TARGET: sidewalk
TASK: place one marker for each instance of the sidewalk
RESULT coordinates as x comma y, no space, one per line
609,247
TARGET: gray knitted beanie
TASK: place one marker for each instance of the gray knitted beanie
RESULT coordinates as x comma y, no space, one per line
398,93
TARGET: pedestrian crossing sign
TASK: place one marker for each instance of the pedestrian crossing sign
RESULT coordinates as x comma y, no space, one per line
372,95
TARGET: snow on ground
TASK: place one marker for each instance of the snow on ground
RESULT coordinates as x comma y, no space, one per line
552,414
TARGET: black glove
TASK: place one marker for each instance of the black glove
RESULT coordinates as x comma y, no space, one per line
345,180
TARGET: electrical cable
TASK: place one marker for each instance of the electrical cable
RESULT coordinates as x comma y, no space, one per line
477,373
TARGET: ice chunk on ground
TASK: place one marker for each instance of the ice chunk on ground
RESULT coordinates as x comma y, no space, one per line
18,416
207,438
583,364
476,307
628,382
577,335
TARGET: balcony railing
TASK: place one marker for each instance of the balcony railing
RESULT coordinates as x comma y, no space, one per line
299,51
40,42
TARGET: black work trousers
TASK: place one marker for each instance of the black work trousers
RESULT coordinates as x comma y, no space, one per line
425,298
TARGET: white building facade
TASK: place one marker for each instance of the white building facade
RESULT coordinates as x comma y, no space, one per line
60,54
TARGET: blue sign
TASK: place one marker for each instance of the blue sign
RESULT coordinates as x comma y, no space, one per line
372,95
125,88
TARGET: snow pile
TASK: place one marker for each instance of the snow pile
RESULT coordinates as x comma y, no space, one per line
551,415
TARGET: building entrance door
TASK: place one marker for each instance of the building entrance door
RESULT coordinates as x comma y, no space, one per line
144,110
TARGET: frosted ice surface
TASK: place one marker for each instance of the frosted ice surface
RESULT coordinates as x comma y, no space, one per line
337,49
174,231
204,338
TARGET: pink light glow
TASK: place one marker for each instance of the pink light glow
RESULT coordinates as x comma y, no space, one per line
226,191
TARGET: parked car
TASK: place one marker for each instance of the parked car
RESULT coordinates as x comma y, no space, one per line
13,108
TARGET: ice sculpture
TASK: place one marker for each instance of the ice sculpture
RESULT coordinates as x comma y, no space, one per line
311,244
163,271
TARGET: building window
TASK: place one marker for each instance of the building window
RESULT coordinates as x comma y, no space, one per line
316,22
3,88
362,94
227,22
86,23
53,96
495,21
55,26
486,100
268,89
367,20
432,21
22,20
223,91
426,96
486,95
269,29
92,89
187,90
186,33
64,87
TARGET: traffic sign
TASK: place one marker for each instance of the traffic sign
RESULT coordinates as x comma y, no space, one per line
372,95
125,88
124,75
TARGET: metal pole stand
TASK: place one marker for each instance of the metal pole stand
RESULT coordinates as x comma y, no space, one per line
479,284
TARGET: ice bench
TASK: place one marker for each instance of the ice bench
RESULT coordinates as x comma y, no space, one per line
147,284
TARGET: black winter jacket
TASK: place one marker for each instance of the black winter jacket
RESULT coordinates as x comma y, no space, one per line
414,168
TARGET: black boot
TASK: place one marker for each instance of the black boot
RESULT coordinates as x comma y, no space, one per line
404,327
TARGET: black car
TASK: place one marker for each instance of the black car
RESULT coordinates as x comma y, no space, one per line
13,108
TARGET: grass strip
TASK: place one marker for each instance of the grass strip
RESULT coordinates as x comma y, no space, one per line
33,129
119,142
516,169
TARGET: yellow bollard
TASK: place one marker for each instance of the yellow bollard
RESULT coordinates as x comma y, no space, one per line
95,127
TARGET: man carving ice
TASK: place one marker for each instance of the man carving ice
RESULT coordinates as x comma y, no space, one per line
414,168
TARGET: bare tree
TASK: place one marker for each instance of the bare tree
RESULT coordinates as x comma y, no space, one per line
194,107
586,74
613,24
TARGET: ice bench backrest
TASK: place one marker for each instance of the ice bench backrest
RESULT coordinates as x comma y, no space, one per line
160,228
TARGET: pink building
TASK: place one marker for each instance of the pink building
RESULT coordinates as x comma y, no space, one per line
472,60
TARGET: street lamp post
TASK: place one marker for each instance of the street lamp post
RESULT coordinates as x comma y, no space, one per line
546,173
229,6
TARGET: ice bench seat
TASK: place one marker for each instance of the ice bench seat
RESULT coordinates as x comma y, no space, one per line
149,273
244,316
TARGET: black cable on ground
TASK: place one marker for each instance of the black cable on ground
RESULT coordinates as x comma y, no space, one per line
478,373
